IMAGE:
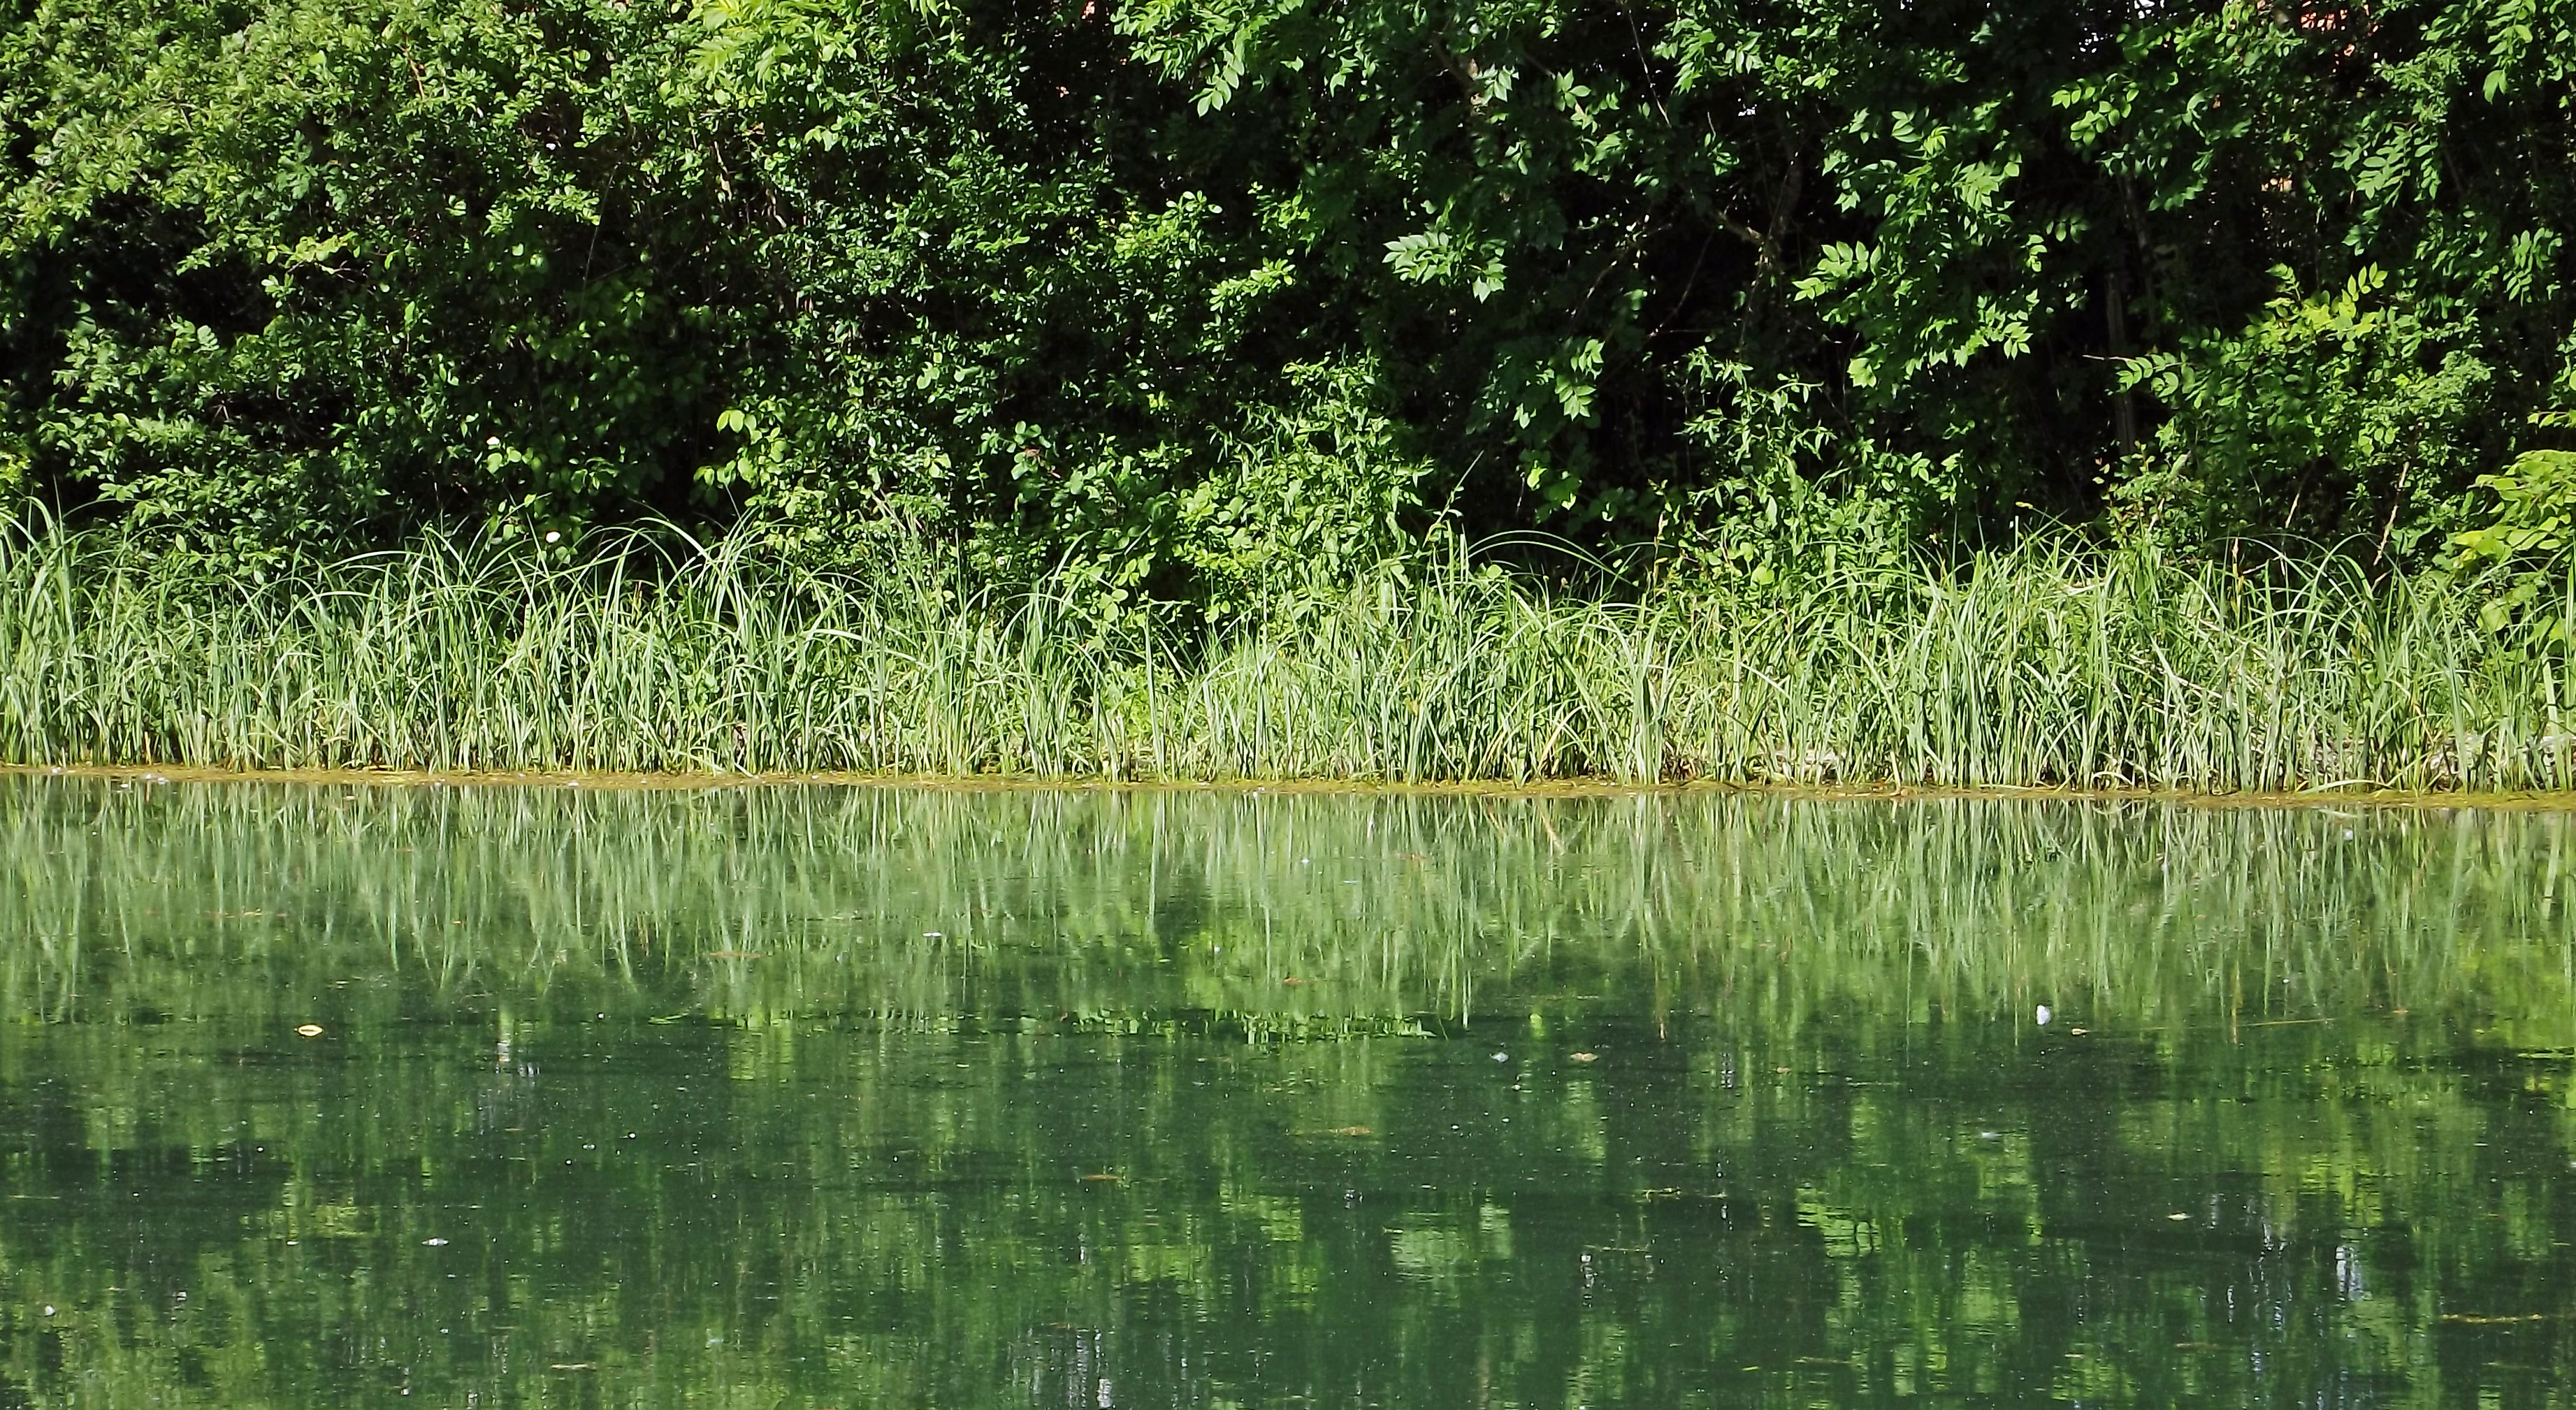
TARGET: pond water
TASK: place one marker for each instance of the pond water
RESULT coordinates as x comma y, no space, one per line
842,1097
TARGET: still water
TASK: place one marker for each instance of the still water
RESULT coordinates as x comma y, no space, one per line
861,1097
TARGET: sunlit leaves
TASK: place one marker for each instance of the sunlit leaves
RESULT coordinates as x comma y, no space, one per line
1440,257
986,276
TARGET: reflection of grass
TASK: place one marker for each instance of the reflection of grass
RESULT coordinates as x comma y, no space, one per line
2040,668
1831,1161
1193,912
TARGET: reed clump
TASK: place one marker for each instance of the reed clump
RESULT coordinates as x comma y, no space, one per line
2045,666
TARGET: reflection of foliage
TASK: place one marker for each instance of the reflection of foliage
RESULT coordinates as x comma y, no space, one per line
1822,1155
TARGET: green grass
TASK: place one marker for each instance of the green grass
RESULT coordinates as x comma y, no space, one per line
2042,667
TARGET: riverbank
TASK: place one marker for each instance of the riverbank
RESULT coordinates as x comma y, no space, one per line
2328,799
2042,670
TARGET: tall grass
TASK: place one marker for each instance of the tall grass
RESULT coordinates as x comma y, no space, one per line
2046,666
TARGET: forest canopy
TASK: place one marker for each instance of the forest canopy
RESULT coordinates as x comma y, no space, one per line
1194,299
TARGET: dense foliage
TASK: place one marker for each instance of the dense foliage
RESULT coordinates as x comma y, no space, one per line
1197,299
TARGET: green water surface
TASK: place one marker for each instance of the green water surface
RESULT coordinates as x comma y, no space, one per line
859,1097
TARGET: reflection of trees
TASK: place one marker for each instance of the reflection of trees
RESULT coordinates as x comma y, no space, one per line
857,1168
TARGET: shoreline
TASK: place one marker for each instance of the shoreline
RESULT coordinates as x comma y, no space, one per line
2349,796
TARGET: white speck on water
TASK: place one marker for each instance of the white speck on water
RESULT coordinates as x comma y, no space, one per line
2043,1015
433,1243
49,1309
1502,1057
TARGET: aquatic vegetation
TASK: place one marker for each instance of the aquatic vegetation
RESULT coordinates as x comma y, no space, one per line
2047,666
